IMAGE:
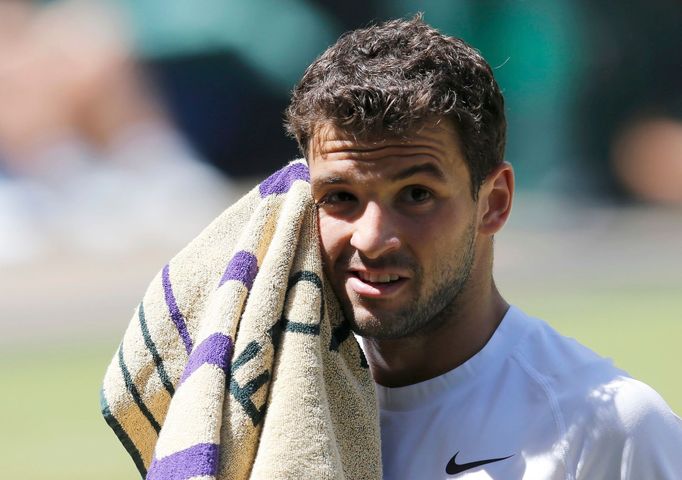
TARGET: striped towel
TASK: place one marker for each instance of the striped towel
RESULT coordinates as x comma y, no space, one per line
238,363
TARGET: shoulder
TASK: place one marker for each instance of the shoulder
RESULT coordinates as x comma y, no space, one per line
609,421
579,377
630,430
641,411
561,362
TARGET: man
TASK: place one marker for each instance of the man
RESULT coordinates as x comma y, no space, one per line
404,132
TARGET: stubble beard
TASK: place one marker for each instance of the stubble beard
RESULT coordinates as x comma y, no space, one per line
431,309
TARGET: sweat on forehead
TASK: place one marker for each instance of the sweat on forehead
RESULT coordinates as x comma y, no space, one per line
348,139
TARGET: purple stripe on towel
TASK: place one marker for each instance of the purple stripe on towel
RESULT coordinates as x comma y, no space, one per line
175,313
242,267
200,459
281,180
216,350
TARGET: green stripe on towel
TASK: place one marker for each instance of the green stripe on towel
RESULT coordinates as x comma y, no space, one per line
121,434
132,389
158,361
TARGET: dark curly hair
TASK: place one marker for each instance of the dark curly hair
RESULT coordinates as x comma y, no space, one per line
387,79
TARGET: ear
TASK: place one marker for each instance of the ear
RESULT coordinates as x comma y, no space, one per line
495,199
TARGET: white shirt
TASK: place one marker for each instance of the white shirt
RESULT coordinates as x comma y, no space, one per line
553,407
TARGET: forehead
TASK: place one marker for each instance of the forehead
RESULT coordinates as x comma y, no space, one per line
435,143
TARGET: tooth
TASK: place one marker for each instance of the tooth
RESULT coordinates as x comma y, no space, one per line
378,277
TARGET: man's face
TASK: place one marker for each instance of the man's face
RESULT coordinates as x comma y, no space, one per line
397,226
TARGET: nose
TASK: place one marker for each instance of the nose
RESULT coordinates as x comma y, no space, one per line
373,232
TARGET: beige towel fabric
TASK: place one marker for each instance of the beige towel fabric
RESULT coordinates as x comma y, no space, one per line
237,363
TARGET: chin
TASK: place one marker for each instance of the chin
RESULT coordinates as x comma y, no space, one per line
383,328
362,322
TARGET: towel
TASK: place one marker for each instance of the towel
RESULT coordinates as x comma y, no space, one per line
238,363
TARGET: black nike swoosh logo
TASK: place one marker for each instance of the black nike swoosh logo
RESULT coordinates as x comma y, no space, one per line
453,468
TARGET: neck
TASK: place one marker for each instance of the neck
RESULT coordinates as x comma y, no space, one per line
463,333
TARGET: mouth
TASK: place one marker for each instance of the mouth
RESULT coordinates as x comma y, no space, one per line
375,284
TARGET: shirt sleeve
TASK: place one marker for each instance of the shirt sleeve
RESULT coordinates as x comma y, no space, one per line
626,432
652,446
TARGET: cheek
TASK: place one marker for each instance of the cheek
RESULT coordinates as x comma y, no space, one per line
424,226
434,238
333,237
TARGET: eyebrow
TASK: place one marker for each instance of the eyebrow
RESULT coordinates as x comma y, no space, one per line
424,168
328,180
427,168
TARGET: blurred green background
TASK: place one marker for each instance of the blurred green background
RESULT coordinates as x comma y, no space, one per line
125,126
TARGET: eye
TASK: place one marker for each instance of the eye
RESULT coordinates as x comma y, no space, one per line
416,194
336,198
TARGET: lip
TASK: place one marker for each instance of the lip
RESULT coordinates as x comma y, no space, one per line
368,289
